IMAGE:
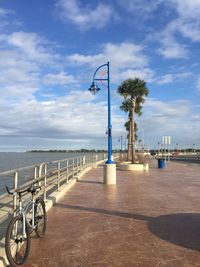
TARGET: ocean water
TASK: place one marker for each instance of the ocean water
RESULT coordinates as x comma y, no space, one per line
14,160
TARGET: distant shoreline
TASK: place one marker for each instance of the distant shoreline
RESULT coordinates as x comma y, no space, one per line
67,151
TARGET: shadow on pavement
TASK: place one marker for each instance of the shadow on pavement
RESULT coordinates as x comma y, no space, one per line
182,229
89,182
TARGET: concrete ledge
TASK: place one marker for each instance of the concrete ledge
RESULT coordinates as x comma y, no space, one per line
128,166
56,195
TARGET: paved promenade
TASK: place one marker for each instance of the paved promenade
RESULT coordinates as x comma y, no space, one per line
148,219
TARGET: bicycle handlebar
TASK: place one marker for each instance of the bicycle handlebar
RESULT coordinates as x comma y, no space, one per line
29,190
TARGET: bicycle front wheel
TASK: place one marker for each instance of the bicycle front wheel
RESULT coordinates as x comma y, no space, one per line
17,243
40,217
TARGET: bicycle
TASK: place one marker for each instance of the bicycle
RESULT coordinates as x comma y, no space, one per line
29,217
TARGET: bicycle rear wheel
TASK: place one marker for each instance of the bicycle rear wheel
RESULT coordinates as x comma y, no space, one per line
17,244
40,217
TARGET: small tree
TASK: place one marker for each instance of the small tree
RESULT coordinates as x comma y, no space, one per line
134,92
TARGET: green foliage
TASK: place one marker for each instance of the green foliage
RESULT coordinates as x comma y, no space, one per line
127,105
134,89
127,127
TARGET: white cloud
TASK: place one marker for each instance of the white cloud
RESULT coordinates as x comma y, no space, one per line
121,55
19,77
173,77
167,78
68,117
85,16
31,45
170,47
60,78
24,59
175,118
146,74
4,12
127,60
189,30
187,9
187,24
138,6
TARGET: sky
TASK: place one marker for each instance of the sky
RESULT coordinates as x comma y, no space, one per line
50,49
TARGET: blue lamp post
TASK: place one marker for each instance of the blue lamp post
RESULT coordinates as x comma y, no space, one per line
94,89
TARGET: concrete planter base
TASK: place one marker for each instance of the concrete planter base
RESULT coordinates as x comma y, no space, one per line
128,166
109,174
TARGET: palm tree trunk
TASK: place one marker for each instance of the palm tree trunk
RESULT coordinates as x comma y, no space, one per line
129,141
132,131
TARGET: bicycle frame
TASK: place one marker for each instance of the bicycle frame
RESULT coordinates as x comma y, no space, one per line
23,210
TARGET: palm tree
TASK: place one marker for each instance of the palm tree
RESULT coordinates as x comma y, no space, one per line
126,106
134,92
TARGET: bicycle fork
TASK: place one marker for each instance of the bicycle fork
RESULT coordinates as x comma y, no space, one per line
23,220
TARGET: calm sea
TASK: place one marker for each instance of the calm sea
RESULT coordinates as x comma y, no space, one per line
14,160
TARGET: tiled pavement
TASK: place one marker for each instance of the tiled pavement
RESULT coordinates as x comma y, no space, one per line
148,219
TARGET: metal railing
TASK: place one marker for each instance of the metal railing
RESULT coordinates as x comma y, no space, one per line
49,175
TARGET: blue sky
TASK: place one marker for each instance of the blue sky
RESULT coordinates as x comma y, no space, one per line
50,49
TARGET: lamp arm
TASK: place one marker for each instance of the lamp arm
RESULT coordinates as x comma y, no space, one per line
98,69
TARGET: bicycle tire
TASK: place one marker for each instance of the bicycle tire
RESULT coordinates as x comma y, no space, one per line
17,258
40,217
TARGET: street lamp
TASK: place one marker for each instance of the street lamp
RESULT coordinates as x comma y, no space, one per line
194,148
110,167
121,142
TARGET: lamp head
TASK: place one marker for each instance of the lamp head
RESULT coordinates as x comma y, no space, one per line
94,89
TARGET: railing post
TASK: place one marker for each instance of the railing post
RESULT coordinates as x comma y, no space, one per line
76,166
35,172
40,174
73,168
45,182
58,175
79,164
15,186
83,162
67,170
